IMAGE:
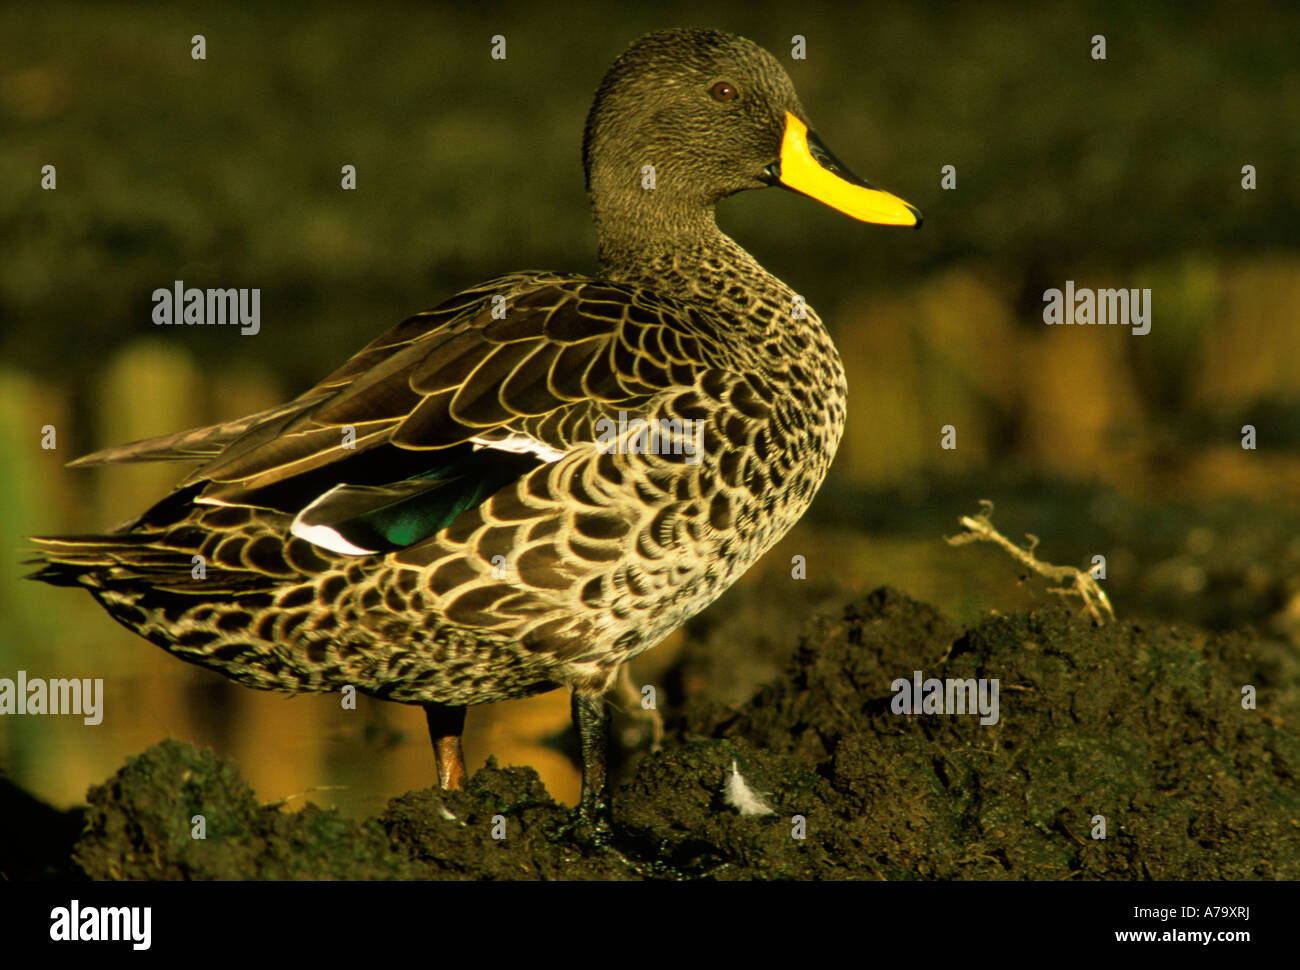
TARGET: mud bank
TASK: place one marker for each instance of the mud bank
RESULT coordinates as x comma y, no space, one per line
1141,725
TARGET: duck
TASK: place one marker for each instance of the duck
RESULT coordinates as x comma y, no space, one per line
543,476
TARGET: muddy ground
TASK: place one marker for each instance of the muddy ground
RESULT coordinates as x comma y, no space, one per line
1140,723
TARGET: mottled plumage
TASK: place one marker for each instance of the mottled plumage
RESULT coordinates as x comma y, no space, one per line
446,519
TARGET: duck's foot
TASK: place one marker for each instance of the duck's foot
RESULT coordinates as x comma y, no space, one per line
589,827
593,823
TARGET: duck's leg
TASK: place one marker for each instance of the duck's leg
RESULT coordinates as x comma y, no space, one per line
591,718
446,725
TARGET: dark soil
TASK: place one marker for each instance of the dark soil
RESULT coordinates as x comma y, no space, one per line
1141,724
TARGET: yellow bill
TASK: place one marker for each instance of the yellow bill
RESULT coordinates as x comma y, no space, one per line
808,166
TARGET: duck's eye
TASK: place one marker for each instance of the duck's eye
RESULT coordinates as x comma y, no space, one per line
723,91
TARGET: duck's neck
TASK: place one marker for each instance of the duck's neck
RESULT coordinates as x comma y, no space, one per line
684,254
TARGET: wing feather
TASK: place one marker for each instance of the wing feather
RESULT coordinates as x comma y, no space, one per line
567,351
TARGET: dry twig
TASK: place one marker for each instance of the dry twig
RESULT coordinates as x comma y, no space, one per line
1074,582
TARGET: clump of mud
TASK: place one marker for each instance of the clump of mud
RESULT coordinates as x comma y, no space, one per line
178,812
1140,725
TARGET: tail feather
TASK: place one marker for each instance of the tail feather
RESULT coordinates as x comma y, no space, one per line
196,444
82,560
125,559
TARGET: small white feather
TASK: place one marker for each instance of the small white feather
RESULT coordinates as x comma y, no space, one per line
520,444
737,793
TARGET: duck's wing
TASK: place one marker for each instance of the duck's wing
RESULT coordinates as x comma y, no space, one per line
445,409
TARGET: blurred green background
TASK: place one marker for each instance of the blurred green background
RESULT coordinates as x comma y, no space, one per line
225,172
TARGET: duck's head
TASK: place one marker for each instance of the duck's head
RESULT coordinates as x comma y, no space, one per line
701,114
